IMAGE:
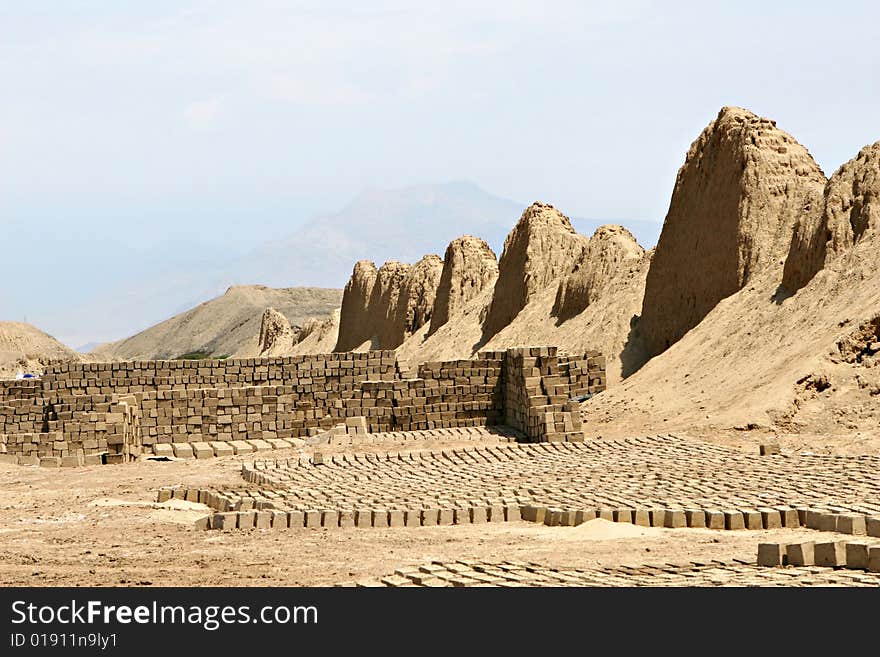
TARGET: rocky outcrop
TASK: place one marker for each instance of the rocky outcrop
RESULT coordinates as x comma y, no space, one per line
733,211
612,251
469,267
276,333
416,302
355,325
542,247
849,212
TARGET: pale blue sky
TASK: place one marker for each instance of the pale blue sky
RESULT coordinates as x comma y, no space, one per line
129,131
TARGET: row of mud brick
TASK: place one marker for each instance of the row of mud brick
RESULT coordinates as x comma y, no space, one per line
855,555
145,376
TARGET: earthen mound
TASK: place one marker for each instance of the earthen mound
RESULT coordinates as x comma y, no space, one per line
542,247
611,251
354,322
416,302
276,333
26,349
736,199
469,266
849,212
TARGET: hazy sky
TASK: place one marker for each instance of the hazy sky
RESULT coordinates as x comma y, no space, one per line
132,131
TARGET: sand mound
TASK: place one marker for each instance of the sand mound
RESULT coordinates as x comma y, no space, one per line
25,348
733,211
849,212
276,334
227,325
611,251
469,267
542,247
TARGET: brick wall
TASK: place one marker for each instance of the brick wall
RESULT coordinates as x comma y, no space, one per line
116,411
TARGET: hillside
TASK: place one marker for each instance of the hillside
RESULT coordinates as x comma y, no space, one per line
226,325
26,348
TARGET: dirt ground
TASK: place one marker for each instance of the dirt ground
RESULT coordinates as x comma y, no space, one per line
100,526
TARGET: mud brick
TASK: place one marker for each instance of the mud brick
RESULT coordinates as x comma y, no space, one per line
278,443
182,450
280,519
734,520
412,518
695,517
329,519
496,513
584,515
9,458
395,518
512,513
752,519
769,449
801,554
202,450
163,495
771,554
312,518
788,516
658,517
28,459
192,495
241,447
623,515
771,519
827,523
380,518
532,513
221,448
715,520
72,461
50,461
346,518
830,553
462,515
429,517
92,459
263,520
479,514
446,517
857,555
674,518
296,519
872,526
225,520
642,517
874,559
567,518
363,518
203,523
259,445
851,523
553,517
247,519
164,450
814,518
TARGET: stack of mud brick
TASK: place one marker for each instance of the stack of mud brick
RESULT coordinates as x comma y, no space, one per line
538,397
585,375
